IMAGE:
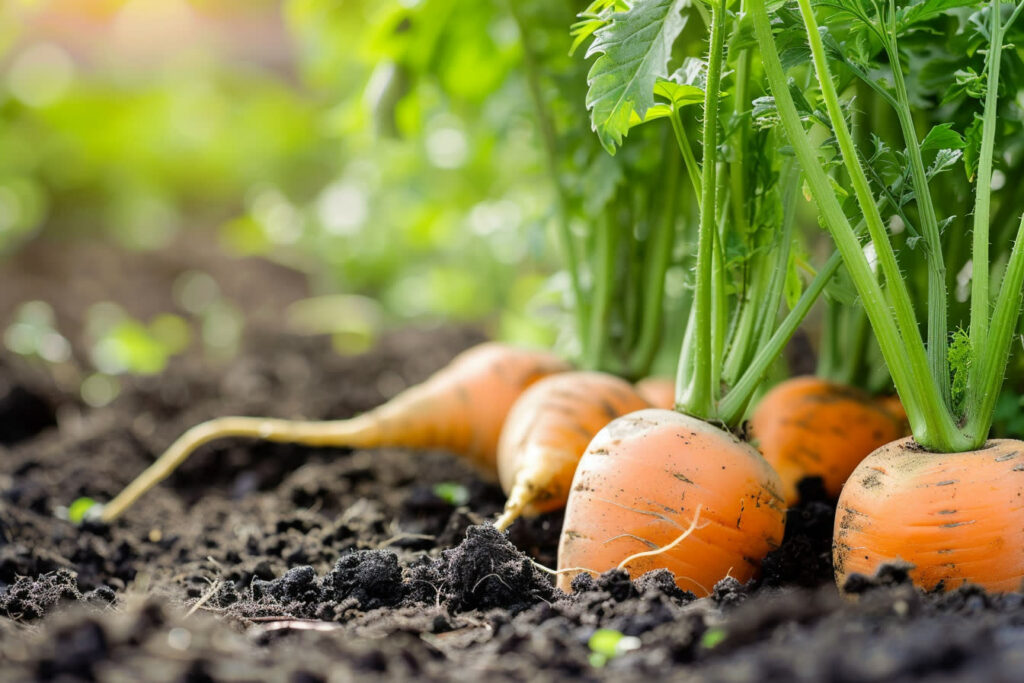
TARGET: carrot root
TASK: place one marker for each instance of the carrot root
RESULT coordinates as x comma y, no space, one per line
546,433
807,427
355,432
637,484
664,549
957,518
461,409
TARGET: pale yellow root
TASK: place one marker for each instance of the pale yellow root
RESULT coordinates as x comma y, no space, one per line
352,432
622,565
665,548
518,499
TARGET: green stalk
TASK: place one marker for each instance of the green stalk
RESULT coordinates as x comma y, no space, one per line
829,357
895,286
856,329
659,258
692,169
604,277
734,405
719,297
750,303
983,194
993,361
990,349
938,327
790,175
933,414
931,423
696,394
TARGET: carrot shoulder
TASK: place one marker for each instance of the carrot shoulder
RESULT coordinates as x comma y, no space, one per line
461,409
638,489
546,433
956,517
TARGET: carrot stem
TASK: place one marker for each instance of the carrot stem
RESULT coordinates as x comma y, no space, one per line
980,290
938,327
733,406
696,396
659,259
993,361
931,422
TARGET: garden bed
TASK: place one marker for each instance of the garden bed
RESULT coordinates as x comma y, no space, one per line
263,561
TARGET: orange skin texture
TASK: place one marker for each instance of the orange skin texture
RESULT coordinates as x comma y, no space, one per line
894,406
808,426
637,489
660,392
957,517
547,431
462,408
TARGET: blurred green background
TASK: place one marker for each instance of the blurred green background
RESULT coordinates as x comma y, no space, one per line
386,151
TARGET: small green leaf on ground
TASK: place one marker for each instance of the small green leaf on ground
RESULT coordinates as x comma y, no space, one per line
452,493
608,644
80,508
712,638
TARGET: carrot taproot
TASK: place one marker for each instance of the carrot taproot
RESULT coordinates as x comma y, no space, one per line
461,408
547,431
660,392
807,426
638,486
956,517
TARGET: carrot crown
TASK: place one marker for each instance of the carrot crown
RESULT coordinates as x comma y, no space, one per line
945,415
744,192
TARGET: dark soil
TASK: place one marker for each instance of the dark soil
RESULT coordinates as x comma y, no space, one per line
270,562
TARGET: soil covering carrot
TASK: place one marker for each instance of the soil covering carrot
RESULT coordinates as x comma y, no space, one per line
547,431
637,489
810,427
461,409
660,392
956,517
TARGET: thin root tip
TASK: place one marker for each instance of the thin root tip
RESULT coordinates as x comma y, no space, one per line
505,521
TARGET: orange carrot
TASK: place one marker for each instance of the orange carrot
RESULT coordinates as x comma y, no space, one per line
808,427
461,409
660,392
956,517
638,488
892,403
546,433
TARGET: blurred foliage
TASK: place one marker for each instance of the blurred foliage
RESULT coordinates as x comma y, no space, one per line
387,149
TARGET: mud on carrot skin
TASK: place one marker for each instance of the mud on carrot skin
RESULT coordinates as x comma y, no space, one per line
461,408
810,427
956,517
548,430
637,488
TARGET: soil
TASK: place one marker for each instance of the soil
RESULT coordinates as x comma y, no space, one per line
271,562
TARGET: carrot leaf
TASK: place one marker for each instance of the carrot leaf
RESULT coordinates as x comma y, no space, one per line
634,48
959,368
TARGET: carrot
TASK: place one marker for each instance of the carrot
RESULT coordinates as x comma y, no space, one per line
956,517
638,486
808,427
461,409
660,392
894,406
546,433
